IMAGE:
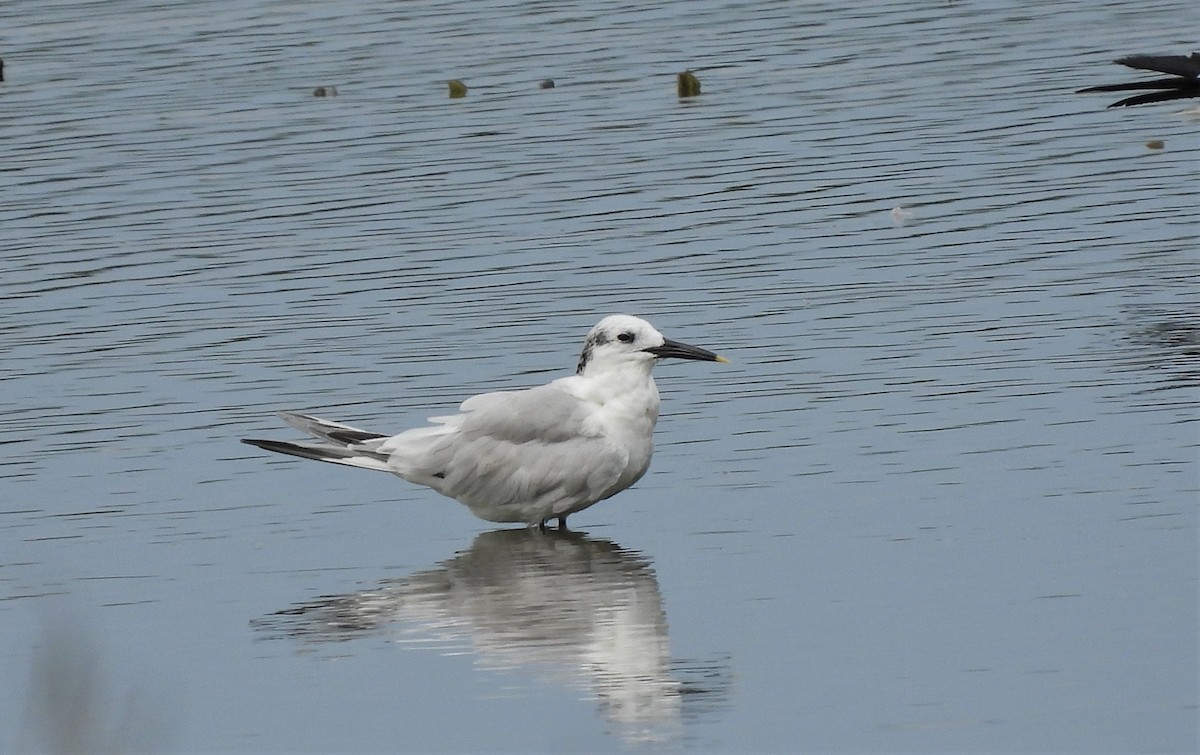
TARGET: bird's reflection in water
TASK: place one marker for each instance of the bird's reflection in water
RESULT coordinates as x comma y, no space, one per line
1168,344
561,605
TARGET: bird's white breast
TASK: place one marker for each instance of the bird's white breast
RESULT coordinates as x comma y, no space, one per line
624,411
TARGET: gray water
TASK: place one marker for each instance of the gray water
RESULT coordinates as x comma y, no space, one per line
944,497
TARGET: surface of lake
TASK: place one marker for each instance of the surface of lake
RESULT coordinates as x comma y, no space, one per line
944,498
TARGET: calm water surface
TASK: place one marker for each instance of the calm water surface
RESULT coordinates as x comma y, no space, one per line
944,498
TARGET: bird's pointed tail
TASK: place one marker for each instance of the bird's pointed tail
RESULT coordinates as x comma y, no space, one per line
352,457
345,444
334,432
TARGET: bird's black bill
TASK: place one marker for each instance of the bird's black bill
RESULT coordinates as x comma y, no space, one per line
683,351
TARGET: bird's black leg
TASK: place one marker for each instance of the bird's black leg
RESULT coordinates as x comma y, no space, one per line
562,523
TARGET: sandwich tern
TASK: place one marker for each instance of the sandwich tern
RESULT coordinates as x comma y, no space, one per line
526,455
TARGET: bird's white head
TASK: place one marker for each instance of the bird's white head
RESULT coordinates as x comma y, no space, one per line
620,341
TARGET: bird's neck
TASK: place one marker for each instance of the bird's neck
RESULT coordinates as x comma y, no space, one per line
627,392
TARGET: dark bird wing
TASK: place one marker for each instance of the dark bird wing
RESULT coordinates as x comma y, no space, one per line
1135,85
1159,96
1187,66
1185,81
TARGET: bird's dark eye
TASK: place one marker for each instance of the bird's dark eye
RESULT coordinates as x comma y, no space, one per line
625,338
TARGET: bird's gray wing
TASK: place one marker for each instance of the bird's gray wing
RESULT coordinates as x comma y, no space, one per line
514,451
545,414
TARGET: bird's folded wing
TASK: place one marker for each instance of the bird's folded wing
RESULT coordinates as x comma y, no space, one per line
545,414
530,447
558,477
